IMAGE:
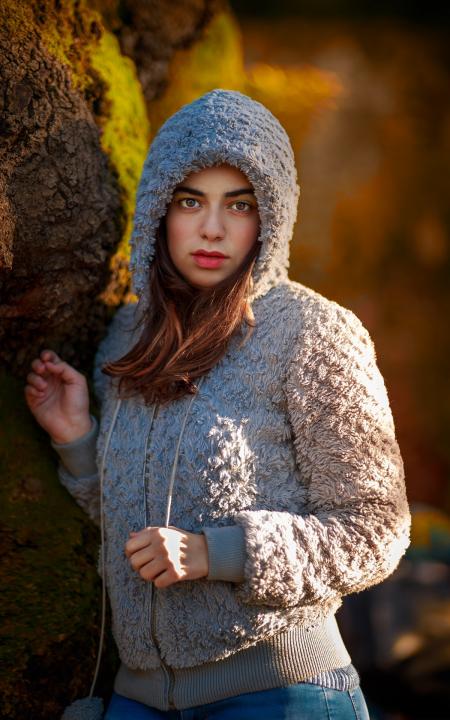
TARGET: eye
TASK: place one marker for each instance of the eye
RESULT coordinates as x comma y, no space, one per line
243,202
188,200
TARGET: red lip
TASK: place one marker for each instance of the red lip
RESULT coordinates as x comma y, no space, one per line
214,253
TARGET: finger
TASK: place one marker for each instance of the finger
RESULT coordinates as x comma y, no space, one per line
38,366
165,579
152,570
148,527
36,381
56,367
61,369
33,392
50,355
141,558
134,533
141,540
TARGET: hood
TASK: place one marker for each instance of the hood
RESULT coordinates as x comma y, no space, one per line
220,126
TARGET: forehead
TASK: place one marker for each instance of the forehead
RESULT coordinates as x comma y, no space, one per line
225,173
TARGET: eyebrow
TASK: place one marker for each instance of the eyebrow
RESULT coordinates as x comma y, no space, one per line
231,193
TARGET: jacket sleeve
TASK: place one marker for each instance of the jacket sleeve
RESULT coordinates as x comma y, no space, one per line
357,521
77,470
77,467
226,553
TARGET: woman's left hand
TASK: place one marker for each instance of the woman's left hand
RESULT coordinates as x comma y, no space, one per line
166,555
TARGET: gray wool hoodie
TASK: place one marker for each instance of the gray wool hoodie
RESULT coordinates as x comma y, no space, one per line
286,458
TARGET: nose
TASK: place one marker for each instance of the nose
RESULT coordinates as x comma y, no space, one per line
212,227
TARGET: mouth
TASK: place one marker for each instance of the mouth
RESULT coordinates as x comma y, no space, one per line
209,260
206,253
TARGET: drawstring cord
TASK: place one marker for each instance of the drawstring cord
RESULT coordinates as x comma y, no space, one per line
177,452
102,536
144,490
102,523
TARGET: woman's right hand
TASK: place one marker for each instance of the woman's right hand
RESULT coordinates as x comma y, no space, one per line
58,397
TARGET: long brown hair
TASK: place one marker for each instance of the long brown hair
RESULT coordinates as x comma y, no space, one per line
186,330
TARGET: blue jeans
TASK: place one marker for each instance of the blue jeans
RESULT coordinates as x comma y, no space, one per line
302,701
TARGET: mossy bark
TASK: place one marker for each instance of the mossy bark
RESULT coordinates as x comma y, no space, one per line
50,587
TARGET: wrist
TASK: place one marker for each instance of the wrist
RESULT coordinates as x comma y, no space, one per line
74,433
202,556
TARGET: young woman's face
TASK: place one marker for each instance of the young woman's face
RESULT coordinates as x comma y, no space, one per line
215,211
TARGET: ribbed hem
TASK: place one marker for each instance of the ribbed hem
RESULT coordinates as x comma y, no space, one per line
345,678
79,456
285,659
226,552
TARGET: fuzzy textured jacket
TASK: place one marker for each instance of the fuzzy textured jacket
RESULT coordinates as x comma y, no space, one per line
286,457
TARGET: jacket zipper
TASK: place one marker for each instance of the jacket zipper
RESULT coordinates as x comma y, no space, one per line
166,668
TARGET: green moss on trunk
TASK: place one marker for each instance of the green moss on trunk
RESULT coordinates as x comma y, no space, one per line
50,587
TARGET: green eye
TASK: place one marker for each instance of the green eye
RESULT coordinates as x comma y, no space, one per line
188,200
242,202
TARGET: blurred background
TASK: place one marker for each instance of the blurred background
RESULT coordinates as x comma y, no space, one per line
363,91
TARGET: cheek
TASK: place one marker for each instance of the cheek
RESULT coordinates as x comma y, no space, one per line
177,232
251,232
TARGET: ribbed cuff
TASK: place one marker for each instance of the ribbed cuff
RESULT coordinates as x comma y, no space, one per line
79,456
226,552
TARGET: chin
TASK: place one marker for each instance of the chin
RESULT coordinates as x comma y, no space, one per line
204,285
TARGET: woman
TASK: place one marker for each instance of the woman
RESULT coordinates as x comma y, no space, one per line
252,475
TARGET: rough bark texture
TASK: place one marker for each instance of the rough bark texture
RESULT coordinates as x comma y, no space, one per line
150,31
74,132
62,200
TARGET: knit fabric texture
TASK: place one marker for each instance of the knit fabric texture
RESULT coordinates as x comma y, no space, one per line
289,443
